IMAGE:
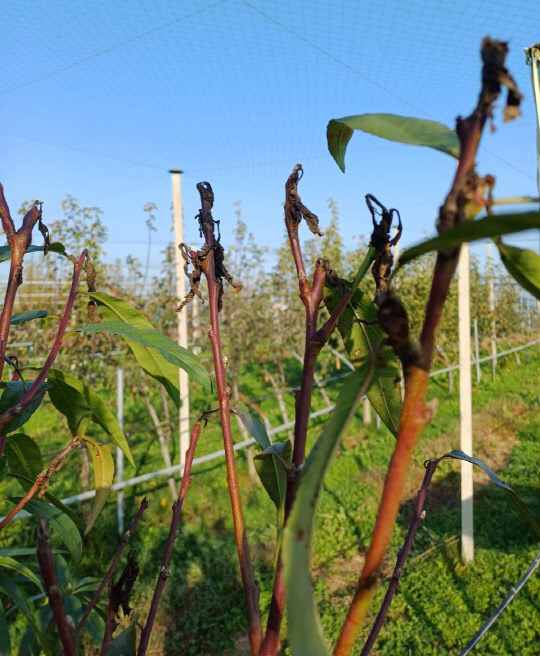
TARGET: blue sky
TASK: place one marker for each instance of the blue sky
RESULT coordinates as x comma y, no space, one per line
100,99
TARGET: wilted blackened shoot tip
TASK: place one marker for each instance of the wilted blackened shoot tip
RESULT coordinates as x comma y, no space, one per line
382,243
295,210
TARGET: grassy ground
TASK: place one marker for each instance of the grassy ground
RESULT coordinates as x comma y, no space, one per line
440,602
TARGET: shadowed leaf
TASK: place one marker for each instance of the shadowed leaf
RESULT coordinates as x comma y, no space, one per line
27,315
270,465
523,265
11,395
55,247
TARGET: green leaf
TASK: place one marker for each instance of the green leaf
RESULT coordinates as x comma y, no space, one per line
59,522
124,643
20,599
360,339
305,633
10,563
255,427
523,265
55,247
490,226
11,395
27,315
5,642
80,405
404,129
151,361
26,483
271,470
514,498
24,551
103,476
23,456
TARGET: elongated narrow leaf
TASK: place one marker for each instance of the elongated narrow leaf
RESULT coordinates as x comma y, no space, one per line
255,427
5,642
7,562
305,633
151,361
361,333
27,315
160,364
523,265
59,522
20,599
518,503
23,456
55,247
80,406
11,395
404,129
26,483
490,226
270,466
103,463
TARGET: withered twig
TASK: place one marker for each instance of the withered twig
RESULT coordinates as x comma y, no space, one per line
112,567
48,573
165,572
211,262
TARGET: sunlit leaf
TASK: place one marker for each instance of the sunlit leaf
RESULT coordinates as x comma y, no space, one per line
27,315
103,463
59,522
80,405
361,334
151,360
11,395
404,129
518,503
154,351
490,226
270,466
305,633
523,265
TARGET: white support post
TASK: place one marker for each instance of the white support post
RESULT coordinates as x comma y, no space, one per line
366,411
119,452
184,431
477,352
465,402
491,301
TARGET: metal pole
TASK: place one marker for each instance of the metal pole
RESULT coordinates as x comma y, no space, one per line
477,352
366,412
491,301
184,433
119,452
465,403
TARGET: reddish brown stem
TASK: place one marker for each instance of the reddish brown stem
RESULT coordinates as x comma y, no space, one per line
412,419
48,573
112,568
18,242
110,623
165,572
416,522
33,391
42,481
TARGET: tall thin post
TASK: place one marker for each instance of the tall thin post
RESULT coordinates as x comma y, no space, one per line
465,402
491,300
477,352
184,431
119,452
